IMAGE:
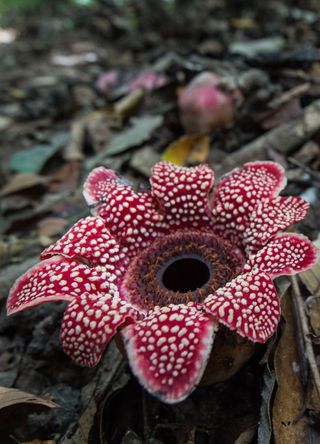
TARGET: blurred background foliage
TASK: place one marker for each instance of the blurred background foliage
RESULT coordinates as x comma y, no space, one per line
9,7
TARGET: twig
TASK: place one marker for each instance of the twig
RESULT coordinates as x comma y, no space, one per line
284,138
306,335
288,95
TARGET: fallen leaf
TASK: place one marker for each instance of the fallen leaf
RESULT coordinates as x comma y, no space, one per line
253,48
143,159
15,404
179,150
311,279
98,132
313,305
187,149
66,177
246,436
51,226
289,398
74,149
200,151
140,131
21,182
32,160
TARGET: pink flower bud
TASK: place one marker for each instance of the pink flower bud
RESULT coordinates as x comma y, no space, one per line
205,107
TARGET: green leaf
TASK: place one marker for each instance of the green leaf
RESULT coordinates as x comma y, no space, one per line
32,160
140,131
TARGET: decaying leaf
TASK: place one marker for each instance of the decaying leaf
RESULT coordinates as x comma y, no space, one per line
21,182
95,126
16,405
32,160
188,149
143,159
313,305
311,279
288,426
11,396
139,132
51,226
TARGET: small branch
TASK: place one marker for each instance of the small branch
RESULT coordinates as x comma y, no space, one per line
306,334
284,138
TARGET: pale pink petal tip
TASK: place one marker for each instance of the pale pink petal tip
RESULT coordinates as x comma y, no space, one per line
168,350
90,322
249,304
182,193
286,254
97,184
90,240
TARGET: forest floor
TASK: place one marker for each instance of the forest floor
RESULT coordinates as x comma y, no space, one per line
68,103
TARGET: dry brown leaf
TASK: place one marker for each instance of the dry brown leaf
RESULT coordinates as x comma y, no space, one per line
11,396
311,279
66,177
289,398
313,304
95,125
16,405
21,182
51,226
247,436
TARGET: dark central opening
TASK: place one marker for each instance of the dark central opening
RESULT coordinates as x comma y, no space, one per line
185,274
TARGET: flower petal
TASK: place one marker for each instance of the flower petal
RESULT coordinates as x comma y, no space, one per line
132,218
248,304
96,187
168,350
287,253
90,322
55,279
90,240
271,216
183,193
239,192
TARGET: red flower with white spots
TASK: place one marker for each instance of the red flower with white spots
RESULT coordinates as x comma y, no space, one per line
163,268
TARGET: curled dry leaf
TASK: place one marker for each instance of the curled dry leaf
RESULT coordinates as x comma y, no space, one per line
22,404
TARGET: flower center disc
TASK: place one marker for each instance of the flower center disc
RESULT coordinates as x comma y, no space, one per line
179,268
185,273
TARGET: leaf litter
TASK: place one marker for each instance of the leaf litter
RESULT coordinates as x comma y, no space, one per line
105,90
